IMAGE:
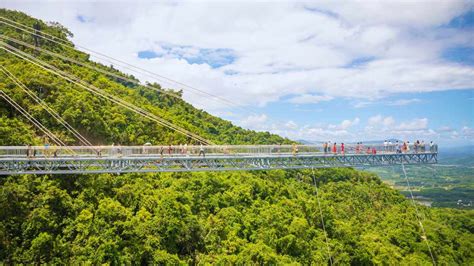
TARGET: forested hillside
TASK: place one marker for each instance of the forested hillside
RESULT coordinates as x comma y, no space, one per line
100,120
267,217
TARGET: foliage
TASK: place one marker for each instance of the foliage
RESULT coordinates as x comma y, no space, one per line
221,218
447,184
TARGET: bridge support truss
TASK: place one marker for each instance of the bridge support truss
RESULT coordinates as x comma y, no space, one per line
89,165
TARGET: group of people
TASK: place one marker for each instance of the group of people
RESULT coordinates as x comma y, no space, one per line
163,150
181,149
332,148
405,146
388,147
328,148
47,151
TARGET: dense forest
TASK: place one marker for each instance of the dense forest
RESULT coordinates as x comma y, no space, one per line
266,217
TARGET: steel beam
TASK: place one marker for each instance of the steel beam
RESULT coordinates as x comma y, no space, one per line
144,164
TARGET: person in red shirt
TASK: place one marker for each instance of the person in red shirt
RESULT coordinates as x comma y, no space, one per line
374,151
368,150
342,148
334,148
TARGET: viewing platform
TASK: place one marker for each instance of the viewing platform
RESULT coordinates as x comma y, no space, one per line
16,160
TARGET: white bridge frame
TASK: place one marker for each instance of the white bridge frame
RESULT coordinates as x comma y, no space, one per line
143,159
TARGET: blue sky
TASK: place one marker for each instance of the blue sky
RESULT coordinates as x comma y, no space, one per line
321,70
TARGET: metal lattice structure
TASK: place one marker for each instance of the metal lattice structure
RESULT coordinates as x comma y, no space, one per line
142,162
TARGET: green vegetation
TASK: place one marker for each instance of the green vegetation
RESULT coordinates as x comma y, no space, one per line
194,218
449,184
264,217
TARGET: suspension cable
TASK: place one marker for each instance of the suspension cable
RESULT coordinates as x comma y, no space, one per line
103,71
322,218
424,237
30,118
110,73
106,95
126,65
112,60
101,93
43,104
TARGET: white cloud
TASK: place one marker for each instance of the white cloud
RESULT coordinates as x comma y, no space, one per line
256,122
468,132
290,49
388,123
403,102
362,104
345,124
444,129
291,125
374,120
413,125
308,98
401,13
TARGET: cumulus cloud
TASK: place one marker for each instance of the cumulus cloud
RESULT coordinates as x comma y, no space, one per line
383,127
403,102
309,98
400,13
257,122
468,132
413,125
236,51
345,124
380,120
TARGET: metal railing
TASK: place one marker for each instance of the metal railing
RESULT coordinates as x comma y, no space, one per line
47,151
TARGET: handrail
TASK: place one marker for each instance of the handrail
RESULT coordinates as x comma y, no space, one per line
215,150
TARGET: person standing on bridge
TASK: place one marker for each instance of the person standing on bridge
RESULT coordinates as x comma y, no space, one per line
119,150
432,147
201,150
161,151
334,148
342,148
294,149
29,151
325,147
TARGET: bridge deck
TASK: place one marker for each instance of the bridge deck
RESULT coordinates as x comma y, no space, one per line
110,159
